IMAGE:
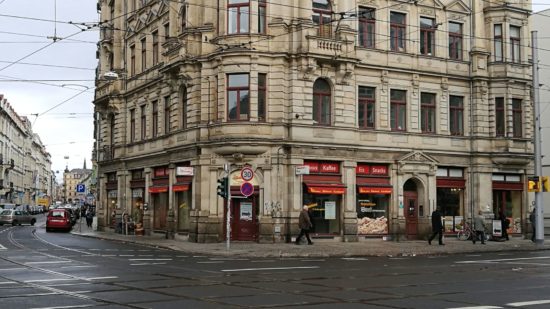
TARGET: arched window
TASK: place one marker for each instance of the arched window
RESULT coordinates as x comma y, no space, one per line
321,102
322,16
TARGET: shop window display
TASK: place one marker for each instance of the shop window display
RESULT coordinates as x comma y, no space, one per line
372,213
324,212
450,201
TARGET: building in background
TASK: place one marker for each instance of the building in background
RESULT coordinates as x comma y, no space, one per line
76,184
372,113
25,170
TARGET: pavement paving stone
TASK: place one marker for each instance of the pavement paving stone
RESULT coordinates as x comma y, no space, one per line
321,248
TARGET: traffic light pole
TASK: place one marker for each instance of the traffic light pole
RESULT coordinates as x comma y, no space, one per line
539,214
228,201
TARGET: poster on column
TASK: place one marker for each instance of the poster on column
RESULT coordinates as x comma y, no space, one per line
330,210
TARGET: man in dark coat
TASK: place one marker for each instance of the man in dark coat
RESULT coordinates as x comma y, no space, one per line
437,227
505,224
533,220
305,224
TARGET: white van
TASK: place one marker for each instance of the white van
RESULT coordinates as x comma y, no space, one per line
7,206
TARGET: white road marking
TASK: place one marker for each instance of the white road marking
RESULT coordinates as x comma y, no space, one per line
3,248
48,280
101,278
65,307
477,307
142,264
150,259
80,266
312,260
355,259
269,268
504,260
126,255
48,262
529,303
18,268
7,282
211,262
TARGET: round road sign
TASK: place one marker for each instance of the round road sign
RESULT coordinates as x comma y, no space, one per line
247,189
247,174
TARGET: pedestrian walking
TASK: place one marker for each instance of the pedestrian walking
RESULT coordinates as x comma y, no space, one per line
89,218
479,228
437,227
533,220
305,224
505,224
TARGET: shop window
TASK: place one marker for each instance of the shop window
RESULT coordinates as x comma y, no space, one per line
367,22
132,125
262,96
372,213
324,211
321,102
262,19
451,201
509,202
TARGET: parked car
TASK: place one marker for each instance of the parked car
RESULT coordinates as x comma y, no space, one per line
16,217
7,206
59,219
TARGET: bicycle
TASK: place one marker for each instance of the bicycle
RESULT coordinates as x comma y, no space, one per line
467,232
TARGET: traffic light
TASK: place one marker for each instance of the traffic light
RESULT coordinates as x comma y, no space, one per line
223,186
545,184
533,184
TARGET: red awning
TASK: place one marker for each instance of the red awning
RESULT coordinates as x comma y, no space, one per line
158,189
375,190
181,187
325,188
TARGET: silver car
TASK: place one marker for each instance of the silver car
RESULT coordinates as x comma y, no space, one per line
16,217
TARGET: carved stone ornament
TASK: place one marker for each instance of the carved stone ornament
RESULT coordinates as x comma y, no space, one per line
309,68
417,156
445,83
416,80
384,78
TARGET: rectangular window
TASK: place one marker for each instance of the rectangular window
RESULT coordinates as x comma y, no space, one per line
517,117
427,36
497,39
262,20
143,122
166,114
427,113
166,31
183,17
366,107
367,21
500,117
132,60
238,103
238,16
322,17
455,41
398,28
398,110
143,55
456,115
155,122
155,47
514,44
132,125
262,96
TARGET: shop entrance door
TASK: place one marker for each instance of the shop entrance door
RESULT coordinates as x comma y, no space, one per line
411,214
160,209
244,219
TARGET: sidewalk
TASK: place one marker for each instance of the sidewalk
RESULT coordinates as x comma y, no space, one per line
321,248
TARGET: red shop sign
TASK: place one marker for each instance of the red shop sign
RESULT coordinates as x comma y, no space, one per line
365,169
323,167
362,170
313,166
379,170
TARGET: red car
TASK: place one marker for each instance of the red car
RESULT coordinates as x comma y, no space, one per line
58,219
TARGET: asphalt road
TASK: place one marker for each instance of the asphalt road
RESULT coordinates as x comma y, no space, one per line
62,270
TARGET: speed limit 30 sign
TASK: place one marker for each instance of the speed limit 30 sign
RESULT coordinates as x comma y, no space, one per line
247,174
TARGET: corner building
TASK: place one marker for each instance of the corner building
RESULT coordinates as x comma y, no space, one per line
370,112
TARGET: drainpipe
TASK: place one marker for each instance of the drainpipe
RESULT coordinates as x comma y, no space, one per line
471,112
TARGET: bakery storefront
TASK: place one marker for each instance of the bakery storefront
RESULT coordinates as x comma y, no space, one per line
323,190
373,198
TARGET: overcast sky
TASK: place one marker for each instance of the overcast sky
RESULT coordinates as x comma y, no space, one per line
55,80
34,68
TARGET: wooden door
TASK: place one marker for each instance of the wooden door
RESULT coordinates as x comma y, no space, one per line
411,214
244,219
160,209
